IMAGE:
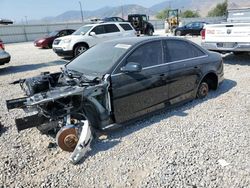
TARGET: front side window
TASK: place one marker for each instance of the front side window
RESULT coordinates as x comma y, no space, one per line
63,33
99,30
144,18
176,50
147,55
70,32
82,30
190,25
111,28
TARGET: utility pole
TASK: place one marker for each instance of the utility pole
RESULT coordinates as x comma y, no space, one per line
81,10
122,9
26,20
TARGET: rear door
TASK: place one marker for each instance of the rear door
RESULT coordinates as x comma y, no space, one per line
184,60
112,31
135,94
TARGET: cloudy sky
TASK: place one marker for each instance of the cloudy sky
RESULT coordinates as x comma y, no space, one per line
36,9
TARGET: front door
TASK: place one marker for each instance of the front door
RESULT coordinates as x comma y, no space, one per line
135,94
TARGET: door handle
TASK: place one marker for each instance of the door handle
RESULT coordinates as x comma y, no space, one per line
196,67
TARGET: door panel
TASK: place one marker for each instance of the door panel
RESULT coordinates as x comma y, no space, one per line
184,69
134,94
183,79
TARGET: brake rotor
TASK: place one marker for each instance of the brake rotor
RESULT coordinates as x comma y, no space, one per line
67,138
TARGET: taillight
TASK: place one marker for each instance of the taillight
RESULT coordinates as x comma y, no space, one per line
1,45
203,34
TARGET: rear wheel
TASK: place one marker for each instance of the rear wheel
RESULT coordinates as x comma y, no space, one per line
150,32
178,33
79,49
202,90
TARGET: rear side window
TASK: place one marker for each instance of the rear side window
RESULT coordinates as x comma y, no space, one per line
126,27
111,28
99,30
176,50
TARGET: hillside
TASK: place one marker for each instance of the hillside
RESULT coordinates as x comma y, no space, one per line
195,5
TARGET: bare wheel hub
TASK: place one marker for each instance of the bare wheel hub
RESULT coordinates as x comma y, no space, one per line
67,138
204,89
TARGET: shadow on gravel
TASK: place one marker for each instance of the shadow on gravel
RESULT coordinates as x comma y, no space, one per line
30,67
129,128
241,59
2,128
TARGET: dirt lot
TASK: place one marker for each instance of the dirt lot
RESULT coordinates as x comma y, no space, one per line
205,143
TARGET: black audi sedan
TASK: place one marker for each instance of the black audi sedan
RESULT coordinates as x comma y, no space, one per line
116,82
193,28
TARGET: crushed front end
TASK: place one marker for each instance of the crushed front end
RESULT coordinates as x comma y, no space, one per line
67,104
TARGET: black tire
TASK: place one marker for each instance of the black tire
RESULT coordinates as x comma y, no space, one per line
150,32
239,53
50,45
178,33
79,49
203,90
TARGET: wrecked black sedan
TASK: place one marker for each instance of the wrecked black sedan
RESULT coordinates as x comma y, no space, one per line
113,83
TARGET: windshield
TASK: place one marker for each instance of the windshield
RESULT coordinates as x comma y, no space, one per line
52,34
98,59
82,30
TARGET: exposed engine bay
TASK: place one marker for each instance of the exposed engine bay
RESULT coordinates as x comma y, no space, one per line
66,103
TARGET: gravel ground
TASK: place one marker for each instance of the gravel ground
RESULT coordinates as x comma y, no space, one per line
204,143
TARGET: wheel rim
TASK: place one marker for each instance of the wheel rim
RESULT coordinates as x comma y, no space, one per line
178,33
80,50
203,90
150,32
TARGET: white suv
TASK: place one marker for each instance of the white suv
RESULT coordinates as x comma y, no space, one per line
89,35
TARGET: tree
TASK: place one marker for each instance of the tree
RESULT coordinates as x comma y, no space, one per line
219,10
162,15
189,14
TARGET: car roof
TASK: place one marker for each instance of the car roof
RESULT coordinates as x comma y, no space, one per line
137,40
105,23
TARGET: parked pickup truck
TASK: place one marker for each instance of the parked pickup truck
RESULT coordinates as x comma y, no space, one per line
232,36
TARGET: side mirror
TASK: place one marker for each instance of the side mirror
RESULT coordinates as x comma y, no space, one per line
132,67
92,34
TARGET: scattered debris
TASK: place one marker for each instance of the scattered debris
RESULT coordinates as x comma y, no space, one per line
223,163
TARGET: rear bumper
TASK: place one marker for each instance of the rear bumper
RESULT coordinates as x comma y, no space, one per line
236,47
4,58
61,52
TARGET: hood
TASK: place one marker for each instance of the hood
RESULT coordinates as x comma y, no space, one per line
45,38
72,37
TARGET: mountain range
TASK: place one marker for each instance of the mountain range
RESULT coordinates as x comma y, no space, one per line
197,5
